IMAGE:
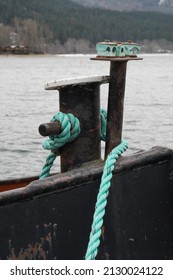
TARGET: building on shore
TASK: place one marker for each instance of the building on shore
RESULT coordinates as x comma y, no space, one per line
15,49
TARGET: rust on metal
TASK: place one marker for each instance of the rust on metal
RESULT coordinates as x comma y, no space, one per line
83,101
48,129
106,58
115,105
32,252
39,250
117,81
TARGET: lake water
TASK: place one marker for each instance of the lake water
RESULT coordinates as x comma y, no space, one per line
24,105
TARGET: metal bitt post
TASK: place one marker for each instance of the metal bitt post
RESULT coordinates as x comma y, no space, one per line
80,97
117,81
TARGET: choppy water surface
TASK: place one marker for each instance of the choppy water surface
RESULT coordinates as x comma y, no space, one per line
24,105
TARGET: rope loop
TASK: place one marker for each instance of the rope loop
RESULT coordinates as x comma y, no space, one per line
75,127
70,130
70,127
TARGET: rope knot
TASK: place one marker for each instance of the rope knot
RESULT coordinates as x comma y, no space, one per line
70,129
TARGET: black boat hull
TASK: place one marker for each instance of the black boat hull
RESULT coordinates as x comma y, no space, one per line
51,218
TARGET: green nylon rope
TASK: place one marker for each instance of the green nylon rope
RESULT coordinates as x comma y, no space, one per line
70,127
70,130
95,234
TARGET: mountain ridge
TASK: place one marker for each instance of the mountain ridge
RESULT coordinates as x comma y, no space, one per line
164,6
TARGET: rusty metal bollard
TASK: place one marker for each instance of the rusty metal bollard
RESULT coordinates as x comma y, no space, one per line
117,81
81,97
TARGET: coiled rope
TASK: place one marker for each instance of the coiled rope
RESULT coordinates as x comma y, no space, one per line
70,130
70,127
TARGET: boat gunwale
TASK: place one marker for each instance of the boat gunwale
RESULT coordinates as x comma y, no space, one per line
91,171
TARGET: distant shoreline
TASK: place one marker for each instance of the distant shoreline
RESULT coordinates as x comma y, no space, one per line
73,54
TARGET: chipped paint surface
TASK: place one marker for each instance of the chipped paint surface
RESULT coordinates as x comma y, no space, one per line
57,84
32,252
37,250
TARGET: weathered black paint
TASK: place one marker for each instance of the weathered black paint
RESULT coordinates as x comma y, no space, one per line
51,218
139,224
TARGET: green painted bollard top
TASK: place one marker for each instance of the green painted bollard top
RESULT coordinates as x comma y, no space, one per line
117,49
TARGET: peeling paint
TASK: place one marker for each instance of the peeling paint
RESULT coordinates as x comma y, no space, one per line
40,250
32,252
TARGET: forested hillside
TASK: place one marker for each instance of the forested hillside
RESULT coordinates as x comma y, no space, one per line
64,26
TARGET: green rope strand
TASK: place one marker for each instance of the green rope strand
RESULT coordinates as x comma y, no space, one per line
103,115
48,165
95,234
